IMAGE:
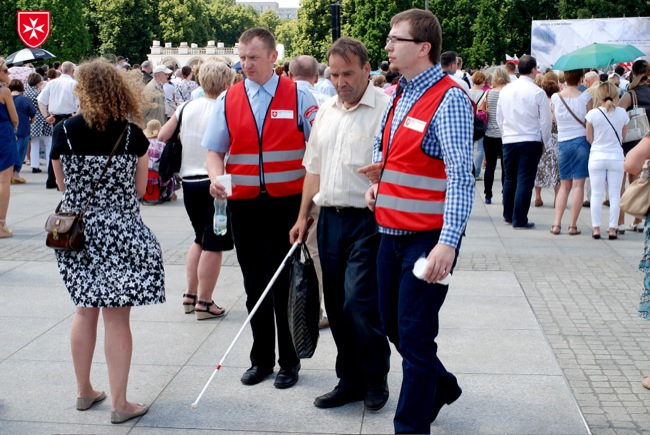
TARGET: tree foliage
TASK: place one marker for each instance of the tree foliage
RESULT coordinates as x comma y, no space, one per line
116,35
314,29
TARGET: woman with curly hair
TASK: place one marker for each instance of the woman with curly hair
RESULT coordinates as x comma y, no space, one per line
121,263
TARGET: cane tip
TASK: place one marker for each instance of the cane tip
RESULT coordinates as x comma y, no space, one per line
195,405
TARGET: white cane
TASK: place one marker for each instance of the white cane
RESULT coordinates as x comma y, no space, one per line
246,322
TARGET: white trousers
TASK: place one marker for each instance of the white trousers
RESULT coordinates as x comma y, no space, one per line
599,172
34,156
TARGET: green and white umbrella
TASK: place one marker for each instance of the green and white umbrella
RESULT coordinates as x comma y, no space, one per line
597,55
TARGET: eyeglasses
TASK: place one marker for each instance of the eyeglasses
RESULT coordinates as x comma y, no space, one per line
394,39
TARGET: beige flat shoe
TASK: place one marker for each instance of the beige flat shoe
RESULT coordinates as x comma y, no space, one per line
84,403
121,417
646,382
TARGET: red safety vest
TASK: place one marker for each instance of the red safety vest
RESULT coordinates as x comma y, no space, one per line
278,154
411,192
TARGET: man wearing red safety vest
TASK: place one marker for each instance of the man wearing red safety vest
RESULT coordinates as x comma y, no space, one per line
263,123
422,203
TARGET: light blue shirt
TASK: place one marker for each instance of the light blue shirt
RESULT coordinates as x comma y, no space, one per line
217,137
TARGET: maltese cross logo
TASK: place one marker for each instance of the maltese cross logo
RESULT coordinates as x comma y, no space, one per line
33,27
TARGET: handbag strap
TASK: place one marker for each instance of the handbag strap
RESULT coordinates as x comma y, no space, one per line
108,162
612,125
571,111
635,101
180,120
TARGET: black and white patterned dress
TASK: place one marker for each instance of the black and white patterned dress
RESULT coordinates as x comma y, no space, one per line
121,264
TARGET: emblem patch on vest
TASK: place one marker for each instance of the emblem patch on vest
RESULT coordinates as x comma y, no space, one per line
281,114
414,124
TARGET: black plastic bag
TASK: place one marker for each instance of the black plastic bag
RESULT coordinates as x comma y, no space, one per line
304,303
172,154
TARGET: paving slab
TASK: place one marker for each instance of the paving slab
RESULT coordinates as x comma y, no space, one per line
503,332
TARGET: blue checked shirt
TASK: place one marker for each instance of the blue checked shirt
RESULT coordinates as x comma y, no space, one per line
449,137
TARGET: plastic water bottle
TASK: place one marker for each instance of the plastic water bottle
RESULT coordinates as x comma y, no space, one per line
418,271
220,222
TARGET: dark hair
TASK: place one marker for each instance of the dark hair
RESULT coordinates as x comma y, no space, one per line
186,71
262,34
34,79
40,70
448,58
573,77
16,85
619,70
640,67
510,67
603,77
424,27
285,67
550,87
527,64
384,66
347,47
56,64
391,75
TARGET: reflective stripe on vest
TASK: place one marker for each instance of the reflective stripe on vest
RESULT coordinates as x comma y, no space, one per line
412,187
276,158
268,157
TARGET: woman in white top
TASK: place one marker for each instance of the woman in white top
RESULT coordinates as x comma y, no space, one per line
606,129
570,107
204,256
476,94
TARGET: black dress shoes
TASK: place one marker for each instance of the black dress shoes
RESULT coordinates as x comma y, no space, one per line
287,377
339,396
452,395
255,375
376,397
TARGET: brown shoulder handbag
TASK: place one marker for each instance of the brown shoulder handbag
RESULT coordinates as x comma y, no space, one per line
636,198
65,230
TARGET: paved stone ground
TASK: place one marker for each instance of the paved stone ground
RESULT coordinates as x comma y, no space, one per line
584,294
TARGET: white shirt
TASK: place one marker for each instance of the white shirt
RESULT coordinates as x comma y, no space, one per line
513,77
567,127
196,117
170,99
463,84
325,86
318,96
58,96
340,143
460,74
606,146
524,113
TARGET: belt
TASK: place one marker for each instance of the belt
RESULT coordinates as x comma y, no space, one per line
346,210
196,178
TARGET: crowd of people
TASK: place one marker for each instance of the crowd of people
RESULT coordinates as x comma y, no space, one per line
384,162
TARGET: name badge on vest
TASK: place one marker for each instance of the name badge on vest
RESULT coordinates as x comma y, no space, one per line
281,114
415,124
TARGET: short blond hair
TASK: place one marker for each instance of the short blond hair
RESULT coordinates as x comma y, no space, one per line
500,77
215,77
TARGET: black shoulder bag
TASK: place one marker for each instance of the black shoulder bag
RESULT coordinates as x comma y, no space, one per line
172,155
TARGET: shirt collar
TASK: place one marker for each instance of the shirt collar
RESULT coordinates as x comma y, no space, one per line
367,99
270,86
425,79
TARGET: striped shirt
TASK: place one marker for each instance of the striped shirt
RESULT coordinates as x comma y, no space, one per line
449,137
493,126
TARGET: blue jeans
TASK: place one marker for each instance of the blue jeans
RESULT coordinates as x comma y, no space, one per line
409,309
478,160
573,158
21,145
520,160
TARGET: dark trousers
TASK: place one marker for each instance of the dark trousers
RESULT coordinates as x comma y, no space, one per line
520,160
51,178
347,244
409,310
493,150
260,228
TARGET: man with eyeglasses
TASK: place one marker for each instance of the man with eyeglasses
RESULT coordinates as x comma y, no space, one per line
422,203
